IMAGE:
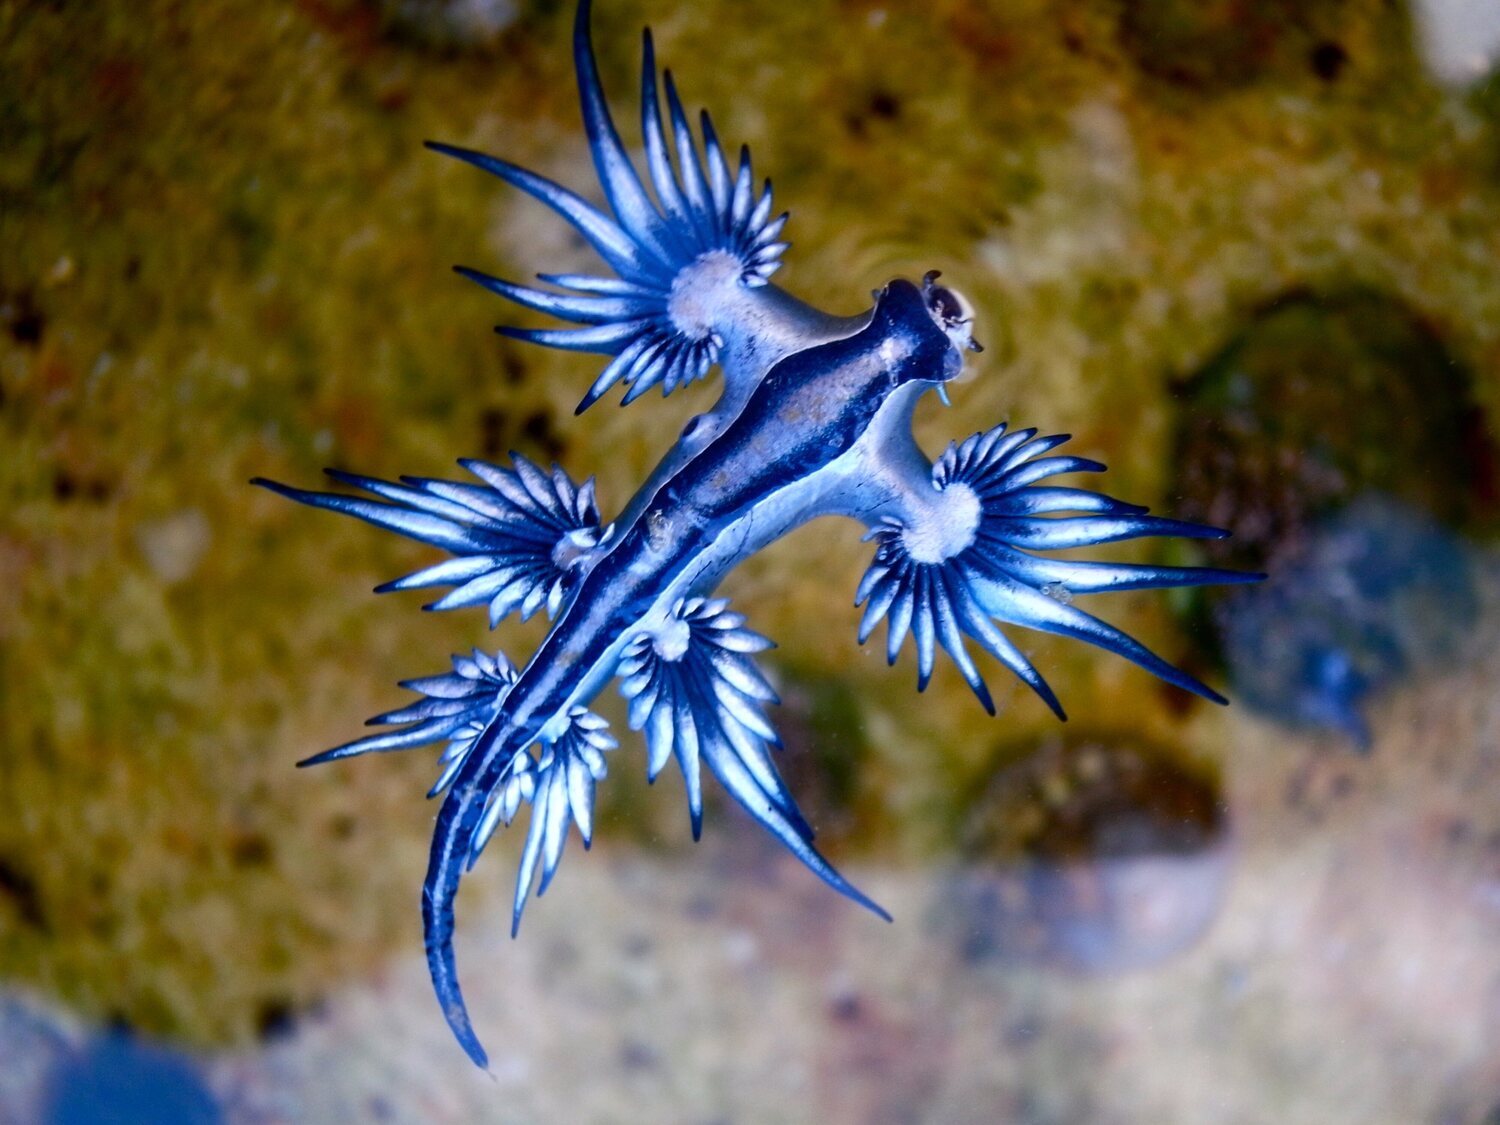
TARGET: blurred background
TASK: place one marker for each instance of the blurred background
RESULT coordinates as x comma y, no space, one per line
1247,252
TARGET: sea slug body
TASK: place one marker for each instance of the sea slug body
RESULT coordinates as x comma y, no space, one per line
814,419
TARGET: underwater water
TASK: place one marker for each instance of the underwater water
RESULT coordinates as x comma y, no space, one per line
1248,255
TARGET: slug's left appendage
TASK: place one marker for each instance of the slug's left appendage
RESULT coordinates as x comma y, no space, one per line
515,537
952,567
457,708
707,234
560,787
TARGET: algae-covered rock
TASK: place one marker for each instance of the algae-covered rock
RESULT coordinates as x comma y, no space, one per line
1369,595
1343,445
448,25
1096,853
226,255
1213,45
1321,399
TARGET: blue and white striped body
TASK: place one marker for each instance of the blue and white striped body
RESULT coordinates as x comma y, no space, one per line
814,419
790,454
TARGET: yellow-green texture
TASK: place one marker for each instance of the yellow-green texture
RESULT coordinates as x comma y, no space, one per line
224,253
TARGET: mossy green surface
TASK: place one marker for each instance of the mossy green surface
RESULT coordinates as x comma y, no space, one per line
223,253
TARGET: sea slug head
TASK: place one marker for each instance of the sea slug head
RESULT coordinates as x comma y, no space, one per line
918,332
951,312
934,314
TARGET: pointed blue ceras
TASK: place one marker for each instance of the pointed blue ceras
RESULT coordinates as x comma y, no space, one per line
814,419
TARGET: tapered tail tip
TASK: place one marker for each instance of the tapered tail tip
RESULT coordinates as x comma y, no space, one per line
451,1000
459,1022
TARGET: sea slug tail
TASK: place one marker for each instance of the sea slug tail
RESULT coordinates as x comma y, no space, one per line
456,823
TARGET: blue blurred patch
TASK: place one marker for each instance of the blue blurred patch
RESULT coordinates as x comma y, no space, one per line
1367,596
117,1080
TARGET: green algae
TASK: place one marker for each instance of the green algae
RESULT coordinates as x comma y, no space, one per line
826,753
226,255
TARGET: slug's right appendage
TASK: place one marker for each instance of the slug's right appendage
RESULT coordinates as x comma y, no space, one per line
944,570
677,258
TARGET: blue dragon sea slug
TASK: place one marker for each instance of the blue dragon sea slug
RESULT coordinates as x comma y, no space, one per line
813,419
